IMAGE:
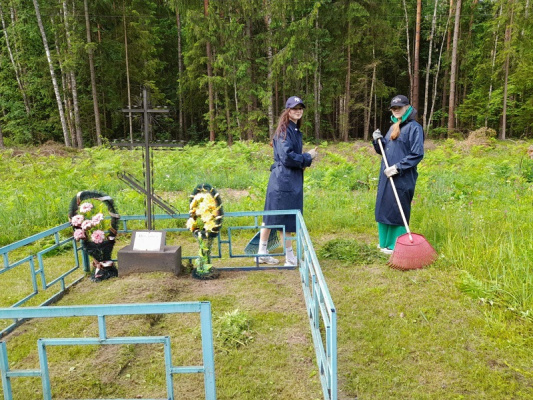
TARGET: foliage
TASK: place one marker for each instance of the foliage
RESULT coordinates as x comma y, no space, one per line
350,251
309,40
233,329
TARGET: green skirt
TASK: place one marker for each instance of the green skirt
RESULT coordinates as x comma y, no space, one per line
388,234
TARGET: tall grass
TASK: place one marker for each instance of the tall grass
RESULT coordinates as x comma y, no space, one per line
473,203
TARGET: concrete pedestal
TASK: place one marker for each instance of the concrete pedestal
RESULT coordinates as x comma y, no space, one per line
166,258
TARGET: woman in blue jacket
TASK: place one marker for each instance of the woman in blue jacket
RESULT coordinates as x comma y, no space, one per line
404,148
285,186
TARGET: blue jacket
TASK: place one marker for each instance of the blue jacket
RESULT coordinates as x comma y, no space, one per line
405,152
285,186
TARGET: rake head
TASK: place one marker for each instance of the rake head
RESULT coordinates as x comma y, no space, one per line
412,254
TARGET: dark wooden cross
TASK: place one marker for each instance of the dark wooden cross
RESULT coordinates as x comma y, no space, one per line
147,190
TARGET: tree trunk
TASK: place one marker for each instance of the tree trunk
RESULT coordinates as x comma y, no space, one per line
249,106
73,82
368,113
15,67
345,109
52,75
437,72
447,71
408,51
228,118
93,75
425,120
507,46
236,98
127,60
316,85
451,103
493,63
268,20
210,81
65,85
416,72
181,128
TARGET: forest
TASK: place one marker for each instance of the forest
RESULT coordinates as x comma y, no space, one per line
223,69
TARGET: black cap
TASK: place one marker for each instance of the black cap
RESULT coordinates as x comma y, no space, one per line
399,101
293,101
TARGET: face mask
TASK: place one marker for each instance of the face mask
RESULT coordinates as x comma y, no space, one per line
404,116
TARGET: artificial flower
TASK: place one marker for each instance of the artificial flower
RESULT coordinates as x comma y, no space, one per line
97,218
87,224
79,234
77,220
88,227
86,207
98,236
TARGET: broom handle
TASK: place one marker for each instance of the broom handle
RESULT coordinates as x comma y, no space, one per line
395,192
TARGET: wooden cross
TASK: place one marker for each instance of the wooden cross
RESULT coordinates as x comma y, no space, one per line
147,190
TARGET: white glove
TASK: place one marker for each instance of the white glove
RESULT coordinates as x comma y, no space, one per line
313,153
377,134
391,171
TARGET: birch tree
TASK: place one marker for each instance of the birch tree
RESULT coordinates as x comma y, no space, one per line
16,68
72,78
52,75
425,120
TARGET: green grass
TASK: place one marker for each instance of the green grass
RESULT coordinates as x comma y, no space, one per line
461,328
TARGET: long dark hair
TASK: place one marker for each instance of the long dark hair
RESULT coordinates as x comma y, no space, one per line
283,124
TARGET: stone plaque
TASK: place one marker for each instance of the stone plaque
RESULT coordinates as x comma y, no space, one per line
148,252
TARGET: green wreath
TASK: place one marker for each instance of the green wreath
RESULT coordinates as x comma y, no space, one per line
205,211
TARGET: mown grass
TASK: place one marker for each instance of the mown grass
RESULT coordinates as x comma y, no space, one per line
461,328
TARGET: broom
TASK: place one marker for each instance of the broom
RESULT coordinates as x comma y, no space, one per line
411,251
253,245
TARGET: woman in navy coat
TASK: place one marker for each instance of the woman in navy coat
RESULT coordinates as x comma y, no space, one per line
404,148
285,186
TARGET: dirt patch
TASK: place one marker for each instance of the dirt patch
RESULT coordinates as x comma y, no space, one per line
429,144
480,137
48,149
234,194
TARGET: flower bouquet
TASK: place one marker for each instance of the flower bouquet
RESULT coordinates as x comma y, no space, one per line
205,220
86,215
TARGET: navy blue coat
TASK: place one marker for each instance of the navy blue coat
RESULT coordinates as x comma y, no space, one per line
285,186
405,152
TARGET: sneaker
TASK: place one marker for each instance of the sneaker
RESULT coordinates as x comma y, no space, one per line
292,262
386,250
267,260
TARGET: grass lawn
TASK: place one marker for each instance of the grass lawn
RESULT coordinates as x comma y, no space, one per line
459,329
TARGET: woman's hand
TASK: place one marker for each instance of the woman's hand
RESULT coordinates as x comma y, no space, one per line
313,153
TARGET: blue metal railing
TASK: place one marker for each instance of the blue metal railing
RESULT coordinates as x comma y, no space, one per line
320,308
101,312
35,259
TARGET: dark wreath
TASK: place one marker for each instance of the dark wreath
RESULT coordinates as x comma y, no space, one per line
100,251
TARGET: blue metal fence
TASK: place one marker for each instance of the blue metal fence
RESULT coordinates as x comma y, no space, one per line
101,312
320,308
